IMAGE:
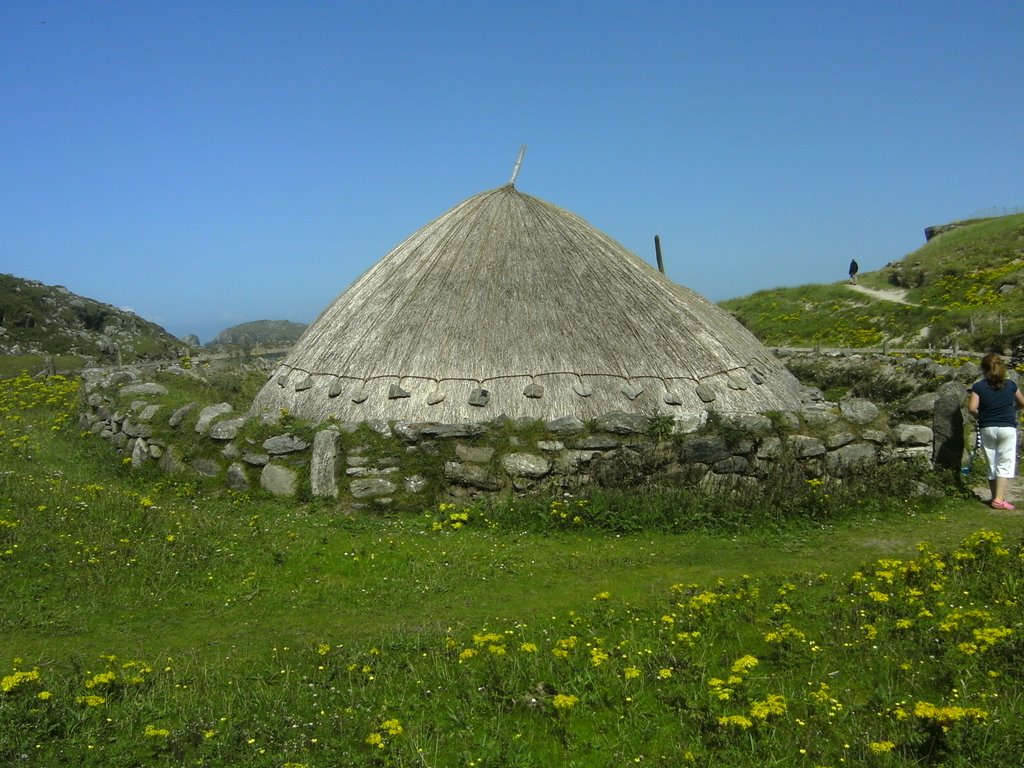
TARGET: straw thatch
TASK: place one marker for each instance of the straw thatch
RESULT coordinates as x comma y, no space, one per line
510,305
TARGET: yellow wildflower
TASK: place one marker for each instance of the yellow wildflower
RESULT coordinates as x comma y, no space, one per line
564,701
392,727
744,664
103,678
11,682
773,705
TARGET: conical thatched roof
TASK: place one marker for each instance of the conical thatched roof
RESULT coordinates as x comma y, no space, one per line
510,305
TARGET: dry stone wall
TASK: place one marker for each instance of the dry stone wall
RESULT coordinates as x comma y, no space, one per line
377,464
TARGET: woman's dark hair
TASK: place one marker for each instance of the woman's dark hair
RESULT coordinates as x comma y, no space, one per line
994,370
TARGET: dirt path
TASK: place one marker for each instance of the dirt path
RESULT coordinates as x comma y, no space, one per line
895,294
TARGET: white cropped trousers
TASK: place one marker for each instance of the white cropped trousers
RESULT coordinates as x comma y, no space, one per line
1000,445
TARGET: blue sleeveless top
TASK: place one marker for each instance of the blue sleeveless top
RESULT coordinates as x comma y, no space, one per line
996,407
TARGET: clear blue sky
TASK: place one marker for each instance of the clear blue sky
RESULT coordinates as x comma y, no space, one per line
208,163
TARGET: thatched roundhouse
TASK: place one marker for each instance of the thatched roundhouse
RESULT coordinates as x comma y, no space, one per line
509,305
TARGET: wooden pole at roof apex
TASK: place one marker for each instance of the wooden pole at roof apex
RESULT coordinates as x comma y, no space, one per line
519,162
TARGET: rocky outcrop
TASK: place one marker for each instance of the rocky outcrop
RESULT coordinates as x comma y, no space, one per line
938,229
260,333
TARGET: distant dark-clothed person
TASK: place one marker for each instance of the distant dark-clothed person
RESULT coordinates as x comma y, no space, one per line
854,269
994,402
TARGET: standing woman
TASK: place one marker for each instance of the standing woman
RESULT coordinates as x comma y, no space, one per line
994,402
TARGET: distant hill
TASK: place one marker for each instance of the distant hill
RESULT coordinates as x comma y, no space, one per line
964,288
263,333
38,319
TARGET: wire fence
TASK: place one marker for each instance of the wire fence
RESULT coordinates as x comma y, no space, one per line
988,213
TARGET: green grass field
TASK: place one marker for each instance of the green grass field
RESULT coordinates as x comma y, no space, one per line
151,621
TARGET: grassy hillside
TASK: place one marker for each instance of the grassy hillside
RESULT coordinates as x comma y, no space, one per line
38,320
963,288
